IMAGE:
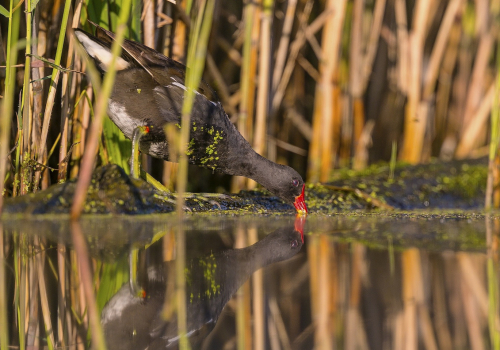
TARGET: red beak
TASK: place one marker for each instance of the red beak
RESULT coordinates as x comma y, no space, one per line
299,225
300,203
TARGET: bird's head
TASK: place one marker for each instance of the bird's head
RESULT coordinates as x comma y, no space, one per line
288,185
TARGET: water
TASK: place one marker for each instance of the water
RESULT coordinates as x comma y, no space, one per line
359,281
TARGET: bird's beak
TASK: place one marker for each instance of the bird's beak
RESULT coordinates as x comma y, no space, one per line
300,221
300,203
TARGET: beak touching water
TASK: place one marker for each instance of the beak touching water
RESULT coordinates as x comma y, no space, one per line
300,203
300,221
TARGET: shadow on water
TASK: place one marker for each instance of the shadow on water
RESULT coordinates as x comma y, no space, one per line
359,281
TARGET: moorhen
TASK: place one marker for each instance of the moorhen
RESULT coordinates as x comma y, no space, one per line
148,94
136,321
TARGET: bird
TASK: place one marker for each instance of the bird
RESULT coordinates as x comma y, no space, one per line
148,94
133,320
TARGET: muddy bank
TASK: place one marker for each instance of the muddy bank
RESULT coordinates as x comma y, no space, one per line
458,184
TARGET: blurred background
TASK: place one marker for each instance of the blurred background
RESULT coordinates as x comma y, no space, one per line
316,85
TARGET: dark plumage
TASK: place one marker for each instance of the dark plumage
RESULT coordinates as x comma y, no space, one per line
132,321
149,90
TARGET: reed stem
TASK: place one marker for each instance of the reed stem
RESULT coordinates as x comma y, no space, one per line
4,328
52,90
198,40
102,105
8,98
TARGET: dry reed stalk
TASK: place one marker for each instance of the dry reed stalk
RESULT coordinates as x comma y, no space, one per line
273,334
477,123
410,265
426,328
222,88
180,287
52,93
252,72
356,116
477,81
472,281
495,182
168,246
361,148
280,325
248,68
415,119
443,94
471,317
87,166
243,313
460,83
74,284
169,177
81,123
65,285
198,41
323,336
403,46
260,133
482,12
8,98
492,277
313,264
354,327
398,335
26,101
343,280
35,124
232,53
439,304
454,298
284,41
372,44
148,23
438,50
69,85
23,295
259,335
295,47
325,116
179,40
361,155
336,290
251,23
149,28
87,283
61,294
4,339
300,122
33,299
44,301
308,67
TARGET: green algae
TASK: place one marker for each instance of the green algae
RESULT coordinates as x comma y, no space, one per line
435,230
436,185
209,268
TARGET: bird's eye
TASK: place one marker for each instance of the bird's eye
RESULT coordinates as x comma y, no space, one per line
294,243
295,182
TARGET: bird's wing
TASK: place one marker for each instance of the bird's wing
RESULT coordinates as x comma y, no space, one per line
162,69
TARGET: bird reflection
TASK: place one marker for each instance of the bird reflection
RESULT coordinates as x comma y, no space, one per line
134,320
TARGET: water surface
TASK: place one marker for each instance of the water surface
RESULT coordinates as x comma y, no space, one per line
358,281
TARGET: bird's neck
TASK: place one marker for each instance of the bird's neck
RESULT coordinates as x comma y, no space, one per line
246,261
255,167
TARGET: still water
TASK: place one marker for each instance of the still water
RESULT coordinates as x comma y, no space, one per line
416,280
